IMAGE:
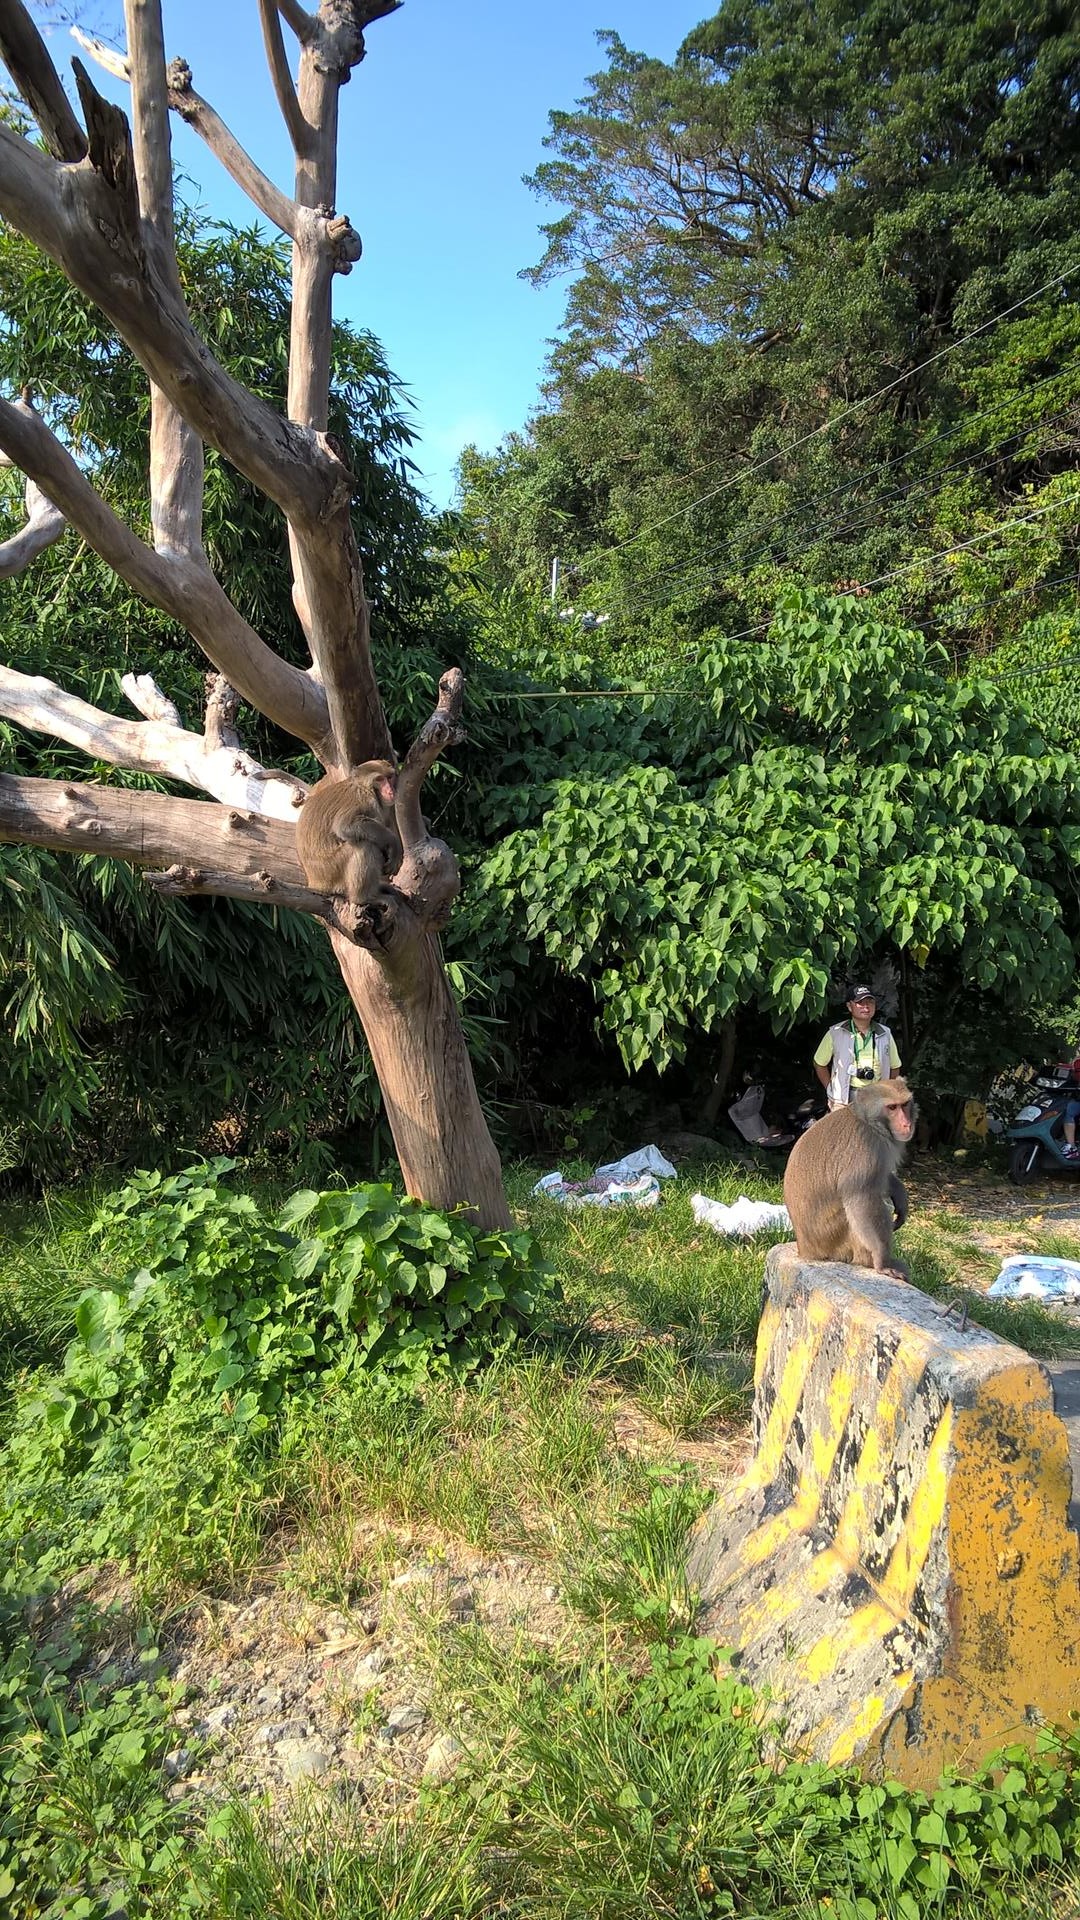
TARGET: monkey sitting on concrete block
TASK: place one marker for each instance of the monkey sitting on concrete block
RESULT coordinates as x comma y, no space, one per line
841,1188
347,835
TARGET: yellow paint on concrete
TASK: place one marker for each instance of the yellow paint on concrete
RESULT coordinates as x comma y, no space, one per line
768,1328
986,1524
865,1720
879,1443
822,1443
797,1365
908,1558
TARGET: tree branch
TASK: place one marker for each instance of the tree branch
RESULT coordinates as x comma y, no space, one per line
176,453
26,58
222,702
328,589
300,133
181,586
151,140
444,729
146,696
87,221
303,24
44,525
200,115
158,744
428,875
335,234
202,848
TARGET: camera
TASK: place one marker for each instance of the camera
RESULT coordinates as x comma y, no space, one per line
864,1073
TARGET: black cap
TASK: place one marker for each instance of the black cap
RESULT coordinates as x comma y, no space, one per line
862,993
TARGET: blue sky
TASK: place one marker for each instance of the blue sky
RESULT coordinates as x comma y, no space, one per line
439,124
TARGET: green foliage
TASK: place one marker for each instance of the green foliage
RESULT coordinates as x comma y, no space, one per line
634,1573
850,796
619,1770
661,1794
84,1819
805,207
156,1438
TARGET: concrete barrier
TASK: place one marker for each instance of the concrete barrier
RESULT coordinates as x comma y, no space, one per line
895,1567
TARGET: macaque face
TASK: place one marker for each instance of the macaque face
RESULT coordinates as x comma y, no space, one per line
386,788
902,1118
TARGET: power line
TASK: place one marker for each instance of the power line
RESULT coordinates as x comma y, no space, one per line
1043,666
845,414
702,570
702,693
928,560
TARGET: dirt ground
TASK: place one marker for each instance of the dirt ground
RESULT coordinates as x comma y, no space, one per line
982,1194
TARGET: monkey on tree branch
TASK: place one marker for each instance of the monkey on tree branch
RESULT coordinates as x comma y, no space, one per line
99,201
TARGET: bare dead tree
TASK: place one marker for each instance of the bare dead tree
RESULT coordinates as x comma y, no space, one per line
99,202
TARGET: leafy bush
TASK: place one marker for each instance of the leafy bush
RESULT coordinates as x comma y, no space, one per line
726,879
156,1437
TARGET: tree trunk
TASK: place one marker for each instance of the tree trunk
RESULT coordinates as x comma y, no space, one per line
412,1026
722,1077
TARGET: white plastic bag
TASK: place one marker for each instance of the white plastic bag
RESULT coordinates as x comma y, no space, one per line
742,1217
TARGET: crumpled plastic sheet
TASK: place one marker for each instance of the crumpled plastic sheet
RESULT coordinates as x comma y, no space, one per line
1036,1276
642,1192
743,1217
645,1160
632,1181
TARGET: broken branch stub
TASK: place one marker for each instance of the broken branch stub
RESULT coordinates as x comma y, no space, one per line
429,876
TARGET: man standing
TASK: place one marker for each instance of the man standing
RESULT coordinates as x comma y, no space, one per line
856,1050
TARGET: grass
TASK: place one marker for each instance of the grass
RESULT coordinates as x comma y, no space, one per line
597,1782
47,1260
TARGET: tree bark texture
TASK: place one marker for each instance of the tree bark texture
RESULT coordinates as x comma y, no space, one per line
413,1029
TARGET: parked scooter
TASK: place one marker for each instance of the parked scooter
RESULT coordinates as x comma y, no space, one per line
1035,1138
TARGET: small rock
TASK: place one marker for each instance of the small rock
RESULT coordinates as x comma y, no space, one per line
369,1671
405,1719
442,1757
551,1593
178,1764
270,1697
369,1622
218,1720
302,1760
277,1730
334,1626
413,1576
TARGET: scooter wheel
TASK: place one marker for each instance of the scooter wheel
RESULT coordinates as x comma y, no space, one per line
1025,1161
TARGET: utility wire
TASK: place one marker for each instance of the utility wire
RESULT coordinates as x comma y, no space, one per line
928,560
702,570
702,693
846,413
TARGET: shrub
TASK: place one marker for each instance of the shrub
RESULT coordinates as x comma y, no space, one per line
157,1436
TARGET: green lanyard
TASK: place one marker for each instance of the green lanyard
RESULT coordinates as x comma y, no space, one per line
859,1042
